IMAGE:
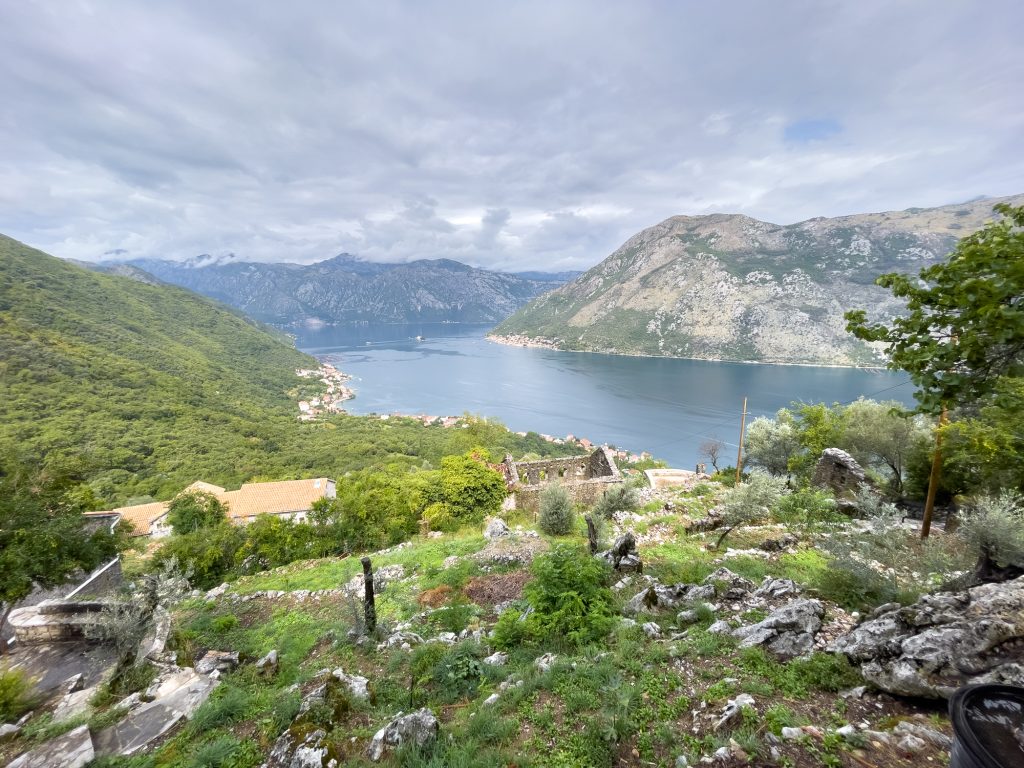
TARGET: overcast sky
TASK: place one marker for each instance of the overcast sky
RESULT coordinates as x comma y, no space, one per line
512,135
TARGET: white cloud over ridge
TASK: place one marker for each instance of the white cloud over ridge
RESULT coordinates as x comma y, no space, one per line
528,135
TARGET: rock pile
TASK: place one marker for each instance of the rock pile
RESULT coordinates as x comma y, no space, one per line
623,556
943,641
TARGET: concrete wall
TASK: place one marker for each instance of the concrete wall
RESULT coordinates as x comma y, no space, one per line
104,580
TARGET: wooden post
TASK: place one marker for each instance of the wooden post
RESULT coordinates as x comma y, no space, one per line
591,534
933,478
369,606
739,453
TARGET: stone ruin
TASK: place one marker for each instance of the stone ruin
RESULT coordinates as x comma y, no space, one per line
586,478
840,473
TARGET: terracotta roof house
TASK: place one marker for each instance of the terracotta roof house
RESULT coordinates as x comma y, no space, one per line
292,499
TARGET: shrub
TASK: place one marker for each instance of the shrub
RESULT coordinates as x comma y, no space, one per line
570,603
994,533
226,705
224,623
749,502
620,498
209,554
15,694
440,517
807,511
556,511
194,511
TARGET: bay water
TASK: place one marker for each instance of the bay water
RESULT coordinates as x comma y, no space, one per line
662,405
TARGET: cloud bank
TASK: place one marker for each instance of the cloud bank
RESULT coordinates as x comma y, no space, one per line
527,135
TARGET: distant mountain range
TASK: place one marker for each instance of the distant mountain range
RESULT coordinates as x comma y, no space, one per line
730,287
346,289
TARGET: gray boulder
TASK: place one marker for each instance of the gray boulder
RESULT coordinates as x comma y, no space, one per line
217,661
420,728
72,750
732,585
787,632
356,685
307,753
943,641
660,598
496,528
150,721
623,556
773,589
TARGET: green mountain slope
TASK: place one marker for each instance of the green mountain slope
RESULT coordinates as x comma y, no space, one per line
110,371
733,288
145,388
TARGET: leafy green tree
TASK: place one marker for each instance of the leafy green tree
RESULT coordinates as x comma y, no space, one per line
190,512
985,451
883,436
965,325
209,554
772,443
817,427
470,488
44,539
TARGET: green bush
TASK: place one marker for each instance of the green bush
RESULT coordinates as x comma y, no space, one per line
209,554
15,694
224,623
807,510
226,705
556,511
194,511
571,606
993,531
620,498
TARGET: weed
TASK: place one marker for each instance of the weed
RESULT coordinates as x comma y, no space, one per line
15,694
226,705
223,624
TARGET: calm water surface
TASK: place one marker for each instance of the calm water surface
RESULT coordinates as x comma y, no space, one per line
664,406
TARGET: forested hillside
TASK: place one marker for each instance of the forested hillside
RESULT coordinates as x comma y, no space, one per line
140,389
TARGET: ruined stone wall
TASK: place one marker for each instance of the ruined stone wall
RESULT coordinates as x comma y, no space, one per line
586,478
586,493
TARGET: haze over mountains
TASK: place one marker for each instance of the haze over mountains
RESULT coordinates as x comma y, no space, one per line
346,289
730,287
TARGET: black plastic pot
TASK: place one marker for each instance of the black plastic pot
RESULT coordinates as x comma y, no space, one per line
988,727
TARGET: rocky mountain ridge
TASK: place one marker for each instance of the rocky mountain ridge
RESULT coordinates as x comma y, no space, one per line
347,289
730,287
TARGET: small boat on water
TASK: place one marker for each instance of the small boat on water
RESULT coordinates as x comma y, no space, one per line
421,338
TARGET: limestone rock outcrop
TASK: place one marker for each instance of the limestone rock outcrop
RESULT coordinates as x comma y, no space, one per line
943,641
787,632
419,728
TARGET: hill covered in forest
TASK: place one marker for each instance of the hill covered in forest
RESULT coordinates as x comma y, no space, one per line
140,389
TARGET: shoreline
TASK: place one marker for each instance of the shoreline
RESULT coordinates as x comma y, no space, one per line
522,341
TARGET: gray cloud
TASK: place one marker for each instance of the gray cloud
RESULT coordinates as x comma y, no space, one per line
518,135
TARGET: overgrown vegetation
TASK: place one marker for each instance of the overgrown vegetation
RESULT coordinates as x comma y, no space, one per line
570,605
557,514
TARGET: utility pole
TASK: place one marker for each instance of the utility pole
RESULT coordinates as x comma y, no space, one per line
933,478
739,453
